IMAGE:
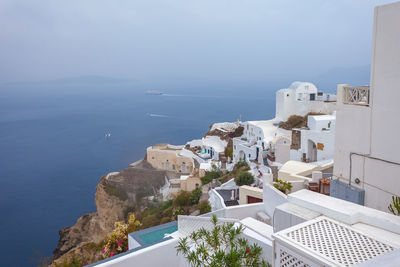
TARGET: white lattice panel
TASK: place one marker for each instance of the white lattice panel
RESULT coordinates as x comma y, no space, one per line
289,260
337,242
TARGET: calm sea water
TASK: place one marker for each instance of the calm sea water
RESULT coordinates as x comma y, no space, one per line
53,149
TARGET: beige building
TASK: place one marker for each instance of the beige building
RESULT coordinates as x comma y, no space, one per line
250,194
167,157
190,183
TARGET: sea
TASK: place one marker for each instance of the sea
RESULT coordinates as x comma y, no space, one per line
54,146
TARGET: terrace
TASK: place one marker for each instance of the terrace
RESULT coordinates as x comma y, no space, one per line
308,229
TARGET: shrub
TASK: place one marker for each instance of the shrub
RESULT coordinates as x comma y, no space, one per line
182,199
220,246
178,211
150,220
283,186
241,164
204,207
244,178
165,220
195,196
237,133
209,176
228,151
115,191
117,242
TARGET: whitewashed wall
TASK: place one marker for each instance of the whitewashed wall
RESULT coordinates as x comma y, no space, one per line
374,130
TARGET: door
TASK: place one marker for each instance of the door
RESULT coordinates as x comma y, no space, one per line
251,199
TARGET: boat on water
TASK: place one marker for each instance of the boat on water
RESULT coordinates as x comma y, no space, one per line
153,92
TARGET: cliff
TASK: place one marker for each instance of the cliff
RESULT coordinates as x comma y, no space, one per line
115,196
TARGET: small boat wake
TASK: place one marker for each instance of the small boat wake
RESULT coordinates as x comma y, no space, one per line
158,115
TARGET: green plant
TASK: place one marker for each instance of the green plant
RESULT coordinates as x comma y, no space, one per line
244,178
115,191
204,207
241,164
220,246
182,199
178,211
195,196
165,220
209,176
283,186
117,242
228,152
395,206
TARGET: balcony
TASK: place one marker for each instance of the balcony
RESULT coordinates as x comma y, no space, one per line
356,95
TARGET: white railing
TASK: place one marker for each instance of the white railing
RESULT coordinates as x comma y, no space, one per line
216,201
356,95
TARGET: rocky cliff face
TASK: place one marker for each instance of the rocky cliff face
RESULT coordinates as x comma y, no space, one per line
115,194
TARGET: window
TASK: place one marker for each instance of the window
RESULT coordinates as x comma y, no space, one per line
152,157
173,167
234,146
249,155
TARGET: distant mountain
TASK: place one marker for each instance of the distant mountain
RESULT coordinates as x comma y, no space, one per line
85,79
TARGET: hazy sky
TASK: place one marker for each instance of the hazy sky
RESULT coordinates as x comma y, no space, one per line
182,39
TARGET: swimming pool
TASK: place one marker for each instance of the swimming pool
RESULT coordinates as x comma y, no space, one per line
152,235
157,235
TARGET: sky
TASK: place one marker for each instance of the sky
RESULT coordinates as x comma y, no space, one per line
183,40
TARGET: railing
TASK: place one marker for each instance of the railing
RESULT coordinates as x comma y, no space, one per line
356,95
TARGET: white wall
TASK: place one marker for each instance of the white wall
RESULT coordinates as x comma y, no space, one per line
327,138
288,103
373,130
150,256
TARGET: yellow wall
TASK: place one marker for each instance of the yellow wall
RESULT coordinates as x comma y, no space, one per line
169,159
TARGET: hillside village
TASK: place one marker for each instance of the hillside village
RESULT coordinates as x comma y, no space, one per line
311,186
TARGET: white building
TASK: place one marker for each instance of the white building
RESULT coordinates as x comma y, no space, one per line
255,140
301,98
367,151
316,142
259,137
209,147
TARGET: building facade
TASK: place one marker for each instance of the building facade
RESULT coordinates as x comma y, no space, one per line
167,157
367,147
301,98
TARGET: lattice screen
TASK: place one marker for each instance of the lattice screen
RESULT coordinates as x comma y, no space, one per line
338,242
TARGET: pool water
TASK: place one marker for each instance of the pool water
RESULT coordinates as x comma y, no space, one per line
158,235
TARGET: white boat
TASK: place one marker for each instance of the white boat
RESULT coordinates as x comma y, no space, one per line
154,92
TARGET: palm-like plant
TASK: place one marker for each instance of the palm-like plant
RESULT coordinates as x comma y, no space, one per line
220,247
395,206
